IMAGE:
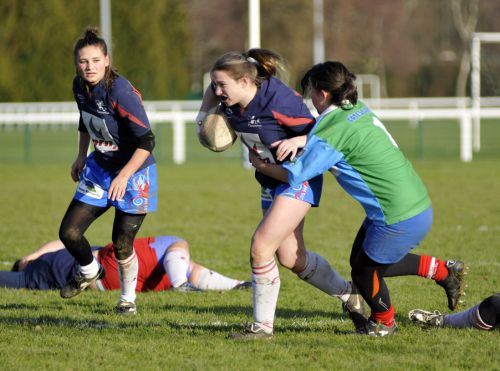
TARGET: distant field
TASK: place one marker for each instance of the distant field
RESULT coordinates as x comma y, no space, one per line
57,144
214,203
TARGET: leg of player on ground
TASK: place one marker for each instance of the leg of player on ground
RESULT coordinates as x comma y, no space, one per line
176,263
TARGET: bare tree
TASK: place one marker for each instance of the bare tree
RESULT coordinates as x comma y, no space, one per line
465,16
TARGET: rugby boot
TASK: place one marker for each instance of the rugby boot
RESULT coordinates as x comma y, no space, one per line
255,331
79,283
423,317
454,284
378,329
355,308
126,308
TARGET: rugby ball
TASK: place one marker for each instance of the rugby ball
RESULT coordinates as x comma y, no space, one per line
215,132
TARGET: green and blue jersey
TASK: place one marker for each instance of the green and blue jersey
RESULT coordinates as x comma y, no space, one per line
355,147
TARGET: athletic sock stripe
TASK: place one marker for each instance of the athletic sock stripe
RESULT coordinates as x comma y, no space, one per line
265,268
263,272
128,260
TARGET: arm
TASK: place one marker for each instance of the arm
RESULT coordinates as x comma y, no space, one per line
289,146
51,246
79,163
209,101
266,168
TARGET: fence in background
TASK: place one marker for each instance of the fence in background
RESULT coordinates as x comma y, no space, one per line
179,113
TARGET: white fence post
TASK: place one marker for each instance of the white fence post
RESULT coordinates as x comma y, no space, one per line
466,138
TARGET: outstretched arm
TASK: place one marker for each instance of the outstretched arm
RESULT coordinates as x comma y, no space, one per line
50,246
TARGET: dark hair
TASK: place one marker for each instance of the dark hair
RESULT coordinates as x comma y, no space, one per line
257,64
15,267
92,37
334,78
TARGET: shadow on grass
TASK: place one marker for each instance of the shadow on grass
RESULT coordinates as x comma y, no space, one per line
286,313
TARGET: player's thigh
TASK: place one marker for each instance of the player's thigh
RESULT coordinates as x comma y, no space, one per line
280,221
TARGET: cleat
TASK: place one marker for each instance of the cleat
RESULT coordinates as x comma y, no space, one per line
355,308
126,308
187,287
426,318
378,329
454,283
243,285
79,283
255,331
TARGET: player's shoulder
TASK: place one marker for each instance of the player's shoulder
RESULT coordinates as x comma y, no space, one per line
77,84
123,90
282,95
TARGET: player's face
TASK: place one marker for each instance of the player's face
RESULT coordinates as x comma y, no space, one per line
229,90
91,64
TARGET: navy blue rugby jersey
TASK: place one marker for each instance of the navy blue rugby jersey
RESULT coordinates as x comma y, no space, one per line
115,118
275,113
50,271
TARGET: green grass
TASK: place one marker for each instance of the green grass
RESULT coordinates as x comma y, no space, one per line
214,203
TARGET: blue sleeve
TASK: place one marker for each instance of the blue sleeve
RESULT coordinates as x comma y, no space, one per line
316,158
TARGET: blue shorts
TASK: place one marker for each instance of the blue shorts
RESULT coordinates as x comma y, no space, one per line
141,196
309,191
390,243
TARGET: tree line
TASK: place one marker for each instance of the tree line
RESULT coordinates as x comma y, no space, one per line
416,47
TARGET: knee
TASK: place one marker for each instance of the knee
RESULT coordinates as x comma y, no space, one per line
259,251
69,234
123,246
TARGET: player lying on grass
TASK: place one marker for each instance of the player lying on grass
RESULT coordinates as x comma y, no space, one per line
483,316
164,263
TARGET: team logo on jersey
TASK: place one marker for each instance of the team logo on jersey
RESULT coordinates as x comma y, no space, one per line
254,122
96,127
101,108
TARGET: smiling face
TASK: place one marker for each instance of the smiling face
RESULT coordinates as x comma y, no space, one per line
91,63
231,91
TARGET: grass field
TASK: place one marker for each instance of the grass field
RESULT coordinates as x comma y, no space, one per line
214,203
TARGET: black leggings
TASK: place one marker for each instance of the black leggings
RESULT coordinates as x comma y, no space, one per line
80,216
368,275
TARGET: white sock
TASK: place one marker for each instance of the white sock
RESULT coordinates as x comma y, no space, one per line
467,318
265,290
90,270
320,274
128,269
211,280
176,265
